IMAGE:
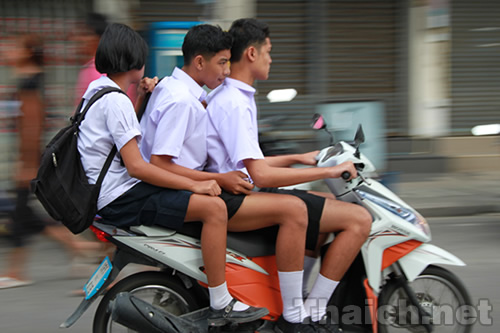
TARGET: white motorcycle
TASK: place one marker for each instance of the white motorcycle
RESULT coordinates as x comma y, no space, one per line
394,285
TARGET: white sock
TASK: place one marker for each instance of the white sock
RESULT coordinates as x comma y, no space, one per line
291,295
309,263
319,296
220,298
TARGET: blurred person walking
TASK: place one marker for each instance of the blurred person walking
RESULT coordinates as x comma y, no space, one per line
26,59
88,40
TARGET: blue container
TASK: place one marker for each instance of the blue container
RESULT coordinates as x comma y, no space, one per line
165,47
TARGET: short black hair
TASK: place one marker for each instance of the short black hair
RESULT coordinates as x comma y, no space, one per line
246,32
96,23
205,39
120,49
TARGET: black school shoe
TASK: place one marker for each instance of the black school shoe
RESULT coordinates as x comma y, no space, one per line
283,326
228,316
326,325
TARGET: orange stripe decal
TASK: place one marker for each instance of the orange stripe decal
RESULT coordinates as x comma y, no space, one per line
396,252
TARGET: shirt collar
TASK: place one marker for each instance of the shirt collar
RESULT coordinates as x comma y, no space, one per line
240,85
194,88
98,84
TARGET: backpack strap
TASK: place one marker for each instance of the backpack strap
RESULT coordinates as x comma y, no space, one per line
79,116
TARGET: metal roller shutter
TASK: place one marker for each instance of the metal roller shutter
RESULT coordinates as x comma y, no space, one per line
159,10
336,51
326,50
475,64
288,23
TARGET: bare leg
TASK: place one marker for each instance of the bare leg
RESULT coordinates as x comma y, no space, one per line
260,210
211,211
16,262
352,223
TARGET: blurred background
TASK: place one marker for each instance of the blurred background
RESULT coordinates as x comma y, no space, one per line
419,75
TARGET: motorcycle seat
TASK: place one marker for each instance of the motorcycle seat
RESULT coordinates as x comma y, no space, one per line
255,243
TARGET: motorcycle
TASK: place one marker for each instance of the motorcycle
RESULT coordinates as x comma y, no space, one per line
396,283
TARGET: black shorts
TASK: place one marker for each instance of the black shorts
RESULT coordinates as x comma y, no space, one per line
313,202
146,204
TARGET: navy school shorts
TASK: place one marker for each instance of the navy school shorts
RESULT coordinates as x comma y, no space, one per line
313,202
146,204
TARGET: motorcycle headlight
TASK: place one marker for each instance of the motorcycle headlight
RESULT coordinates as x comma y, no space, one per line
406,214
421,223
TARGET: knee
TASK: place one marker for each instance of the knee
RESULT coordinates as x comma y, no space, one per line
215,212
295,213
363,222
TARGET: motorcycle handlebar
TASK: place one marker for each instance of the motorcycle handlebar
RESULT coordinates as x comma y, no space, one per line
346,175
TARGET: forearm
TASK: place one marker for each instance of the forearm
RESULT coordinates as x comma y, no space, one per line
138,102
277,177
166,163
283,160
154,175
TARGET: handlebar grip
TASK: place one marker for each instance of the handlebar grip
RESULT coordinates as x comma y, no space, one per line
346,175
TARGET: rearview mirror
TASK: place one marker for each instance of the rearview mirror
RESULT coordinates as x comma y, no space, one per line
359,138
318,122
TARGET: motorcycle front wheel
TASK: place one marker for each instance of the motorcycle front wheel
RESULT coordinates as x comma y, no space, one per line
161,289
441,294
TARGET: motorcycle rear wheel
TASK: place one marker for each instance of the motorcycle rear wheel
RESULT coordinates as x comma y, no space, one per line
163,290
439,292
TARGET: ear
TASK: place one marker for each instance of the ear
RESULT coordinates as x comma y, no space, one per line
198,62
251,53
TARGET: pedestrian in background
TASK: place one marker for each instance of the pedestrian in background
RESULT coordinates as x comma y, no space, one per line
26,59
88,40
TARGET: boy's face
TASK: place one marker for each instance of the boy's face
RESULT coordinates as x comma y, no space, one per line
263,60
216,69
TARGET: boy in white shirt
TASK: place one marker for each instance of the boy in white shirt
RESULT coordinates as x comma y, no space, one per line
139,192
174,125
233,145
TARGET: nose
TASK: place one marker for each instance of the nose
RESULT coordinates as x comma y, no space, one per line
227,70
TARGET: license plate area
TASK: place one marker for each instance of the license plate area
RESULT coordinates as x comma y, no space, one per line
97,279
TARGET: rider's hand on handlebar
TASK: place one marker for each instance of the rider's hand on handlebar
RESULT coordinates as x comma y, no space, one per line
235,182
346,167
209,187
309,158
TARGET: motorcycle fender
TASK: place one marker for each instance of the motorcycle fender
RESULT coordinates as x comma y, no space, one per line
416,261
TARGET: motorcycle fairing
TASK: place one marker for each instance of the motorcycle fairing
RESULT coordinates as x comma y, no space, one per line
417,260
182,253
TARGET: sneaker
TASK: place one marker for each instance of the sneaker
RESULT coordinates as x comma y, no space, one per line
326,325
283,326
228,316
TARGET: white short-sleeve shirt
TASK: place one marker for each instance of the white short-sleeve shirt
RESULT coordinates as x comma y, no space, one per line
232,134
110,121
175,122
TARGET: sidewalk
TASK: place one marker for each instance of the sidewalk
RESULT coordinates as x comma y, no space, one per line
450,194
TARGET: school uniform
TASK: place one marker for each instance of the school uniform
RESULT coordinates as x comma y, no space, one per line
123,200
175,124
232,137
175,121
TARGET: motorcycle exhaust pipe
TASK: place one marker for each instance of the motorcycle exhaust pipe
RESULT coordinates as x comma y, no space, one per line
143,317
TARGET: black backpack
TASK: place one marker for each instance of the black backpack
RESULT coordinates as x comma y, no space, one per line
61,184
